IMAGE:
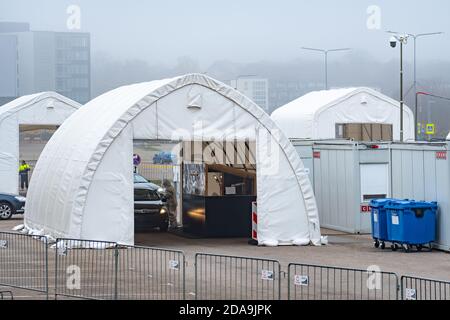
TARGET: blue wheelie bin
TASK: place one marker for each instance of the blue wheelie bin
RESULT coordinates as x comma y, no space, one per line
378,218
411,223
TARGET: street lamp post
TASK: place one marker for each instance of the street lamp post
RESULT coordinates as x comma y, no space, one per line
325,52
416,116
401,90
415,37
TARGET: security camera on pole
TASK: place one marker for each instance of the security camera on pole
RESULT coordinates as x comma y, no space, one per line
414,86
402,39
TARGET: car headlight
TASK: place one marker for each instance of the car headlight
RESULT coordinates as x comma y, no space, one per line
163,211
161,190
20,198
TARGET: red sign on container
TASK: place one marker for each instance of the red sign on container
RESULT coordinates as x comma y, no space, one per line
441,155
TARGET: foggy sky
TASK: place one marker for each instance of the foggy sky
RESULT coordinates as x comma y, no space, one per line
159,32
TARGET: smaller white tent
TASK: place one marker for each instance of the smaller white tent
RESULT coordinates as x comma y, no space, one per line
315,115
46,109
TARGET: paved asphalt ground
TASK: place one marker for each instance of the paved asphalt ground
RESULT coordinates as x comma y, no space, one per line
343,250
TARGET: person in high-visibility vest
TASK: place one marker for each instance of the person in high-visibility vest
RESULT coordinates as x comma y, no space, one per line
24,168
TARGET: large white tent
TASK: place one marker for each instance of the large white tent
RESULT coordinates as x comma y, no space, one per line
315,115
46,109
82,186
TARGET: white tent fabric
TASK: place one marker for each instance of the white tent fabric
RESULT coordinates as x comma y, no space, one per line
314,115
45,108
82,186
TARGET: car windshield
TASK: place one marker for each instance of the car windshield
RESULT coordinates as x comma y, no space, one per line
145,195
139,179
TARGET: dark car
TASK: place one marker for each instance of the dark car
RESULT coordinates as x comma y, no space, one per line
11,204
140,180
150,210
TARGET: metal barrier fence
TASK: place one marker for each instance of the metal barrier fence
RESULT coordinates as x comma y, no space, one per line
24,262
150,274
220,277
105,270
414,288
85,269
156,172
313,282
7,294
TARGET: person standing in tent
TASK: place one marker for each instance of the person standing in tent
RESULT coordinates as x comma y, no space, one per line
171,196
24,168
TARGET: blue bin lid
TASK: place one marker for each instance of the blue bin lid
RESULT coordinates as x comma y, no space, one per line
411,204
377,203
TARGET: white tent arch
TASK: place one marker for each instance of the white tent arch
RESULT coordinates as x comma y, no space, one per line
314,115
45,108
82,186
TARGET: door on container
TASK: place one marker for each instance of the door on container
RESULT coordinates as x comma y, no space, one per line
374,185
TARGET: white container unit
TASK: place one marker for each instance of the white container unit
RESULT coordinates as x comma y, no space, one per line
346,175
422,172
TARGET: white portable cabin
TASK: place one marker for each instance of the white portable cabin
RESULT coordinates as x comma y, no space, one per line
40,109
316,115
346,175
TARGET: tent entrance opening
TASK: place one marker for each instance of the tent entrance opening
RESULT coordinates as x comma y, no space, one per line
156,185
206,188
32,140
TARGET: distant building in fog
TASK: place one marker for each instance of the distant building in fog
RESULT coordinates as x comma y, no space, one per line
35,61
257,89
